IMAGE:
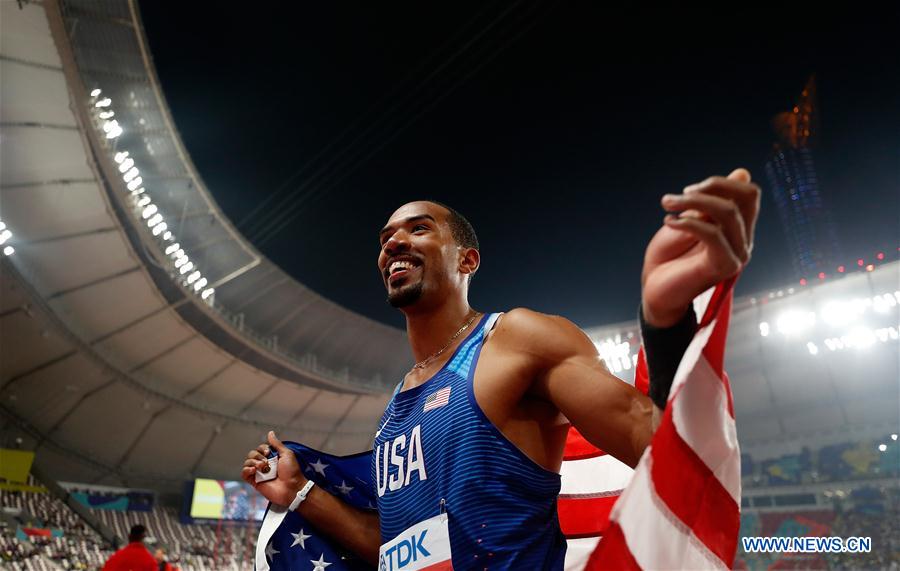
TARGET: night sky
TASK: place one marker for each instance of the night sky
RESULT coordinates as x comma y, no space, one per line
554,127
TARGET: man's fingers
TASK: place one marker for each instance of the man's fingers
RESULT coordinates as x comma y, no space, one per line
710,234
743,192
258,464
263,449
722,211
277,444
740,174
255,455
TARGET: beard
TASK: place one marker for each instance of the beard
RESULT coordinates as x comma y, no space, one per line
406,295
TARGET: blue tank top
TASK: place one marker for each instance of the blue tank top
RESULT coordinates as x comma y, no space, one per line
437,452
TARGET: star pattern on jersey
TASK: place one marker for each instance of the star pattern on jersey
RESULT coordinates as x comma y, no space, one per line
300,539
319,564
344,488
271,551
319,466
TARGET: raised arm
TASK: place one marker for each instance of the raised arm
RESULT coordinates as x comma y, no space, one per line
357,530
709,240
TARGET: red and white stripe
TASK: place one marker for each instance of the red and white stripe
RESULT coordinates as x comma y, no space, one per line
680,509
591,483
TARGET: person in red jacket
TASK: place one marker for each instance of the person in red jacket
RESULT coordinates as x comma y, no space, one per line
134,556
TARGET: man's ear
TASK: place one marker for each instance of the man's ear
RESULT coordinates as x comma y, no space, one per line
469,260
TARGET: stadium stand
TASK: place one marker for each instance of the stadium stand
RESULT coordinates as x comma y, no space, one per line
71,544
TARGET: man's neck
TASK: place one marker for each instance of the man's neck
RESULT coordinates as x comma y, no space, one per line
430,330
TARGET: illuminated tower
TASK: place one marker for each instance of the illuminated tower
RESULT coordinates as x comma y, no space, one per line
792,176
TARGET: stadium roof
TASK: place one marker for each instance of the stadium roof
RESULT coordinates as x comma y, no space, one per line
112,356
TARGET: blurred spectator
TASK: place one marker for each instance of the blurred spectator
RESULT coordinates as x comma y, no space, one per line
162,562
134,556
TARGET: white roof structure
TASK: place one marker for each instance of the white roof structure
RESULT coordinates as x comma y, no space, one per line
117,367
121,367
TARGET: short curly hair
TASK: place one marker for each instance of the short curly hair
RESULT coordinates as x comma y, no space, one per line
461,229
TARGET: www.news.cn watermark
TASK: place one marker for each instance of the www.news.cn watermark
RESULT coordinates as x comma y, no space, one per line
807,544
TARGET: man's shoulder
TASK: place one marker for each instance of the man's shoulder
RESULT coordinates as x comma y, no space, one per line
523,319
523,329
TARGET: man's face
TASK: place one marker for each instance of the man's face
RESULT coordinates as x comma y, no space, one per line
160,555
418,254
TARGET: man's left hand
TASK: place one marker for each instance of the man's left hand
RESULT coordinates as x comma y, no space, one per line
710,240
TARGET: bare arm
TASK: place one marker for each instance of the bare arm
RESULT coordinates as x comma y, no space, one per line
357,530
709,241
566,370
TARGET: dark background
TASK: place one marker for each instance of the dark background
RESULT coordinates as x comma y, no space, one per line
555,127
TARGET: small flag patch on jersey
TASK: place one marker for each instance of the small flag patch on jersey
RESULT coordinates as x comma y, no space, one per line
437,399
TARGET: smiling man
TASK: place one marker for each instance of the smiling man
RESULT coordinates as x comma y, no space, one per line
469,448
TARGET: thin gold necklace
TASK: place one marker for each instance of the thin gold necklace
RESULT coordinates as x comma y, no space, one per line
423,363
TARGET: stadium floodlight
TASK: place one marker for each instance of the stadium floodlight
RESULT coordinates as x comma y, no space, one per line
893,437
131,174
882,447
126,164
2,226
112,129
813,349
9,250
764,329
861,337
794,321
842,312
879,305
5,235
149,211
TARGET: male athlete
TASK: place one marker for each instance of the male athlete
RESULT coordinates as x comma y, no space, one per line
469,448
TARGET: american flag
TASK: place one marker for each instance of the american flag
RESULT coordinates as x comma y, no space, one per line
437,399
287,541
679,509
